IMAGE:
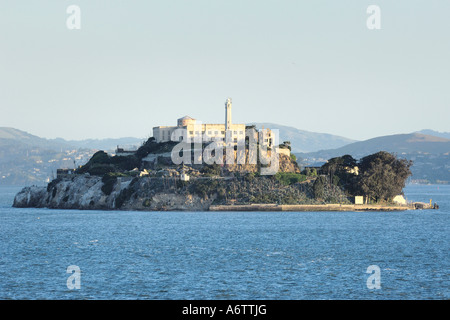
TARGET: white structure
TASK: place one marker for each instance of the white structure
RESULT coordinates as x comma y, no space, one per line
143,173
359,200
399,199
184,177
228,114
205,131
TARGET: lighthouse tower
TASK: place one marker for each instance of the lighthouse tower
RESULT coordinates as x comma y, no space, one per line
228,114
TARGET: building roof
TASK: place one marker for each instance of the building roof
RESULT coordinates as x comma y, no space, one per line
186,118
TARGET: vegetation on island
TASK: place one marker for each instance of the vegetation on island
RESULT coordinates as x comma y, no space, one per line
378,177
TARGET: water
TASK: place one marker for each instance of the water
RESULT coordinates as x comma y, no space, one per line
226,255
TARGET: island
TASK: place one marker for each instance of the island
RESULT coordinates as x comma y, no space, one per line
223,167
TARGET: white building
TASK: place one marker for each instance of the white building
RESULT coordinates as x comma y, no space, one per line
184,177
205,131
399,199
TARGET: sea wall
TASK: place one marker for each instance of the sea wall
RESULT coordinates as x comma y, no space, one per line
309,207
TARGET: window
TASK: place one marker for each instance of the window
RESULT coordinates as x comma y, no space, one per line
191,132
209,132
216,132
223,132
241,132
234,132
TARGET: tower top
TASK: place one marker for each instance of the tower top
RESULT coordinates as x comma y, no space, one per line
228,114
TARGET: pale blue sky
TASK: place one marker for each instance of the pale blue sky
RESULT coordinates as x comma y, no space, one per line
136,64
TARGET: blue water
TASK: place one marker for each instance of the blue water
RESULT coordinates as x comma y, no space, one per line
226,255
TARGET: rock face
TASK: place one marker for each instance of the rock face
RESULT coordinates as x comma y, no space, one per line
85,193
240,185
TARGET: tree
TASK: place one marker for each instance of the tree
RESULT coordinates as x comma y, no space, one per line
382,176
319,187
339,171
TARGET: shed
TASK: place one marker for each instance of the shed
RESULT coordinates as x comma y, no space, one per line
359,200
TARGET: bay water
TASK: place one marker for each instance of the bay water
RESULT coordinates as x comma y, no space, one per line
226,255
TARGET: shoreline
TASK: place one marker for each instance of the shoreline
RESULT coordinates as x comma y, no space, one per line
315,207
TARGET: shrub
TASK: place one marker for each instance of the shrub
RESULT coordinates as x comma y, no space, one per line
288,178
319,187
204,188
147,202
125,163
100,169
123,196
210,170
108,183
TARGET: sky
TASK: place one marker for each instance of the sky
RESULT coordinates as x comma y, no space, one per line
313,65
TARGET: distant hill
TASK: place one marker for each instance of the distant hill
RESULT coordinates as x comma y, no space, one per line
103,144
430,154
306,141
21,139
27,159
429,132
11,136
398,143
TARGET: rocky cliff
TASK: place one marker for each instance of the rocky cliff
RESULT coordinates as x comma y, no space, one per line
85,192
170,193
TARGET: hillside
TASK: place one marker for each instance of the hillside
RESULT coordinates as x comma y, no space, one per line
399,143
306,141
109,144
10,137
429,153
445,135
27,159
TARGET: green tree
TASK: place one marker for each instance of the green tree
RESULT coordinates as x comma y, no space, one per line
382,176
319,187
339,171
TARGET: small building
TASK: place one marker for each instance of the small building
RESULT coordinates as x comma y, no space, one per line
359,200
198,131
64,173
124,153
399,199
184,177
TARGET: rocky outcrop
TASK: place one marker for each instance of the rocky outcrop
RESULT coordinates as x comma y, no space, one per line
85,192
169,193
30,197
